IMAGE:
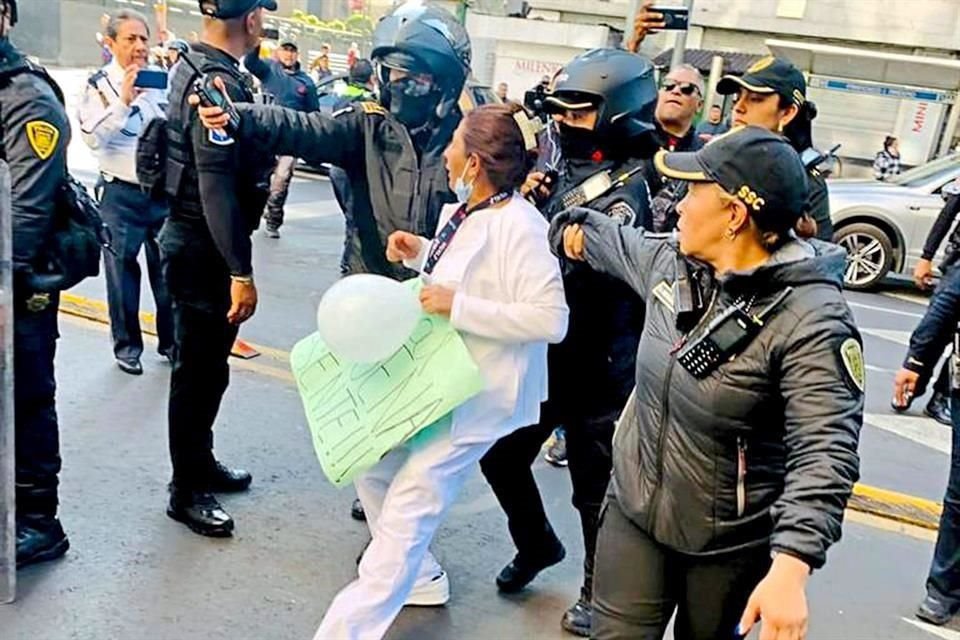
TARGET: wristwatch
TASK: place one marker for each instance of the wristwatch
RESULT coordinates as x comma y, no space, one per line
242,279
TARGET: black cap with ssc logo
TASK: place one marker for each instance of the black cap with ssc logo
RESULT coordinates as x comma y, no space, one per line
753,164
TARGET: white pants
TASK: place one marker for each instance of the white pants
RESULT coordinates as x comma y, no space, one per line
405,498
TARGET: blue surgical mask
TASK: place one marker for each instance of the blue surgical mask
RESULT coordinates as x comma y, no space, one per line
463,190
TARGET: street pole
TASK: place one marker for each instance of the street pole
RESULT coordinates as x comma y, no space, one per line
680,46
8,509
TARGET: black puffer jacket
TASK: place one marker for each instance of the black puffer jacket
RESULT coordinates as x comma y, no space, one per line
764,450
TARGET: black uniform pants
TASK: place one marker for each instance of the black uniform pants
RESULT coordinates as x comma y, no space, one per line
507,468
135,220
943,581
37,436
199,283
640,583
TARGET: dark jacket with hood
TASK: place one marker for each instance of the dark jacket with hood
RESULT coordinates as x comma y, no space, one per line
395,184
763,451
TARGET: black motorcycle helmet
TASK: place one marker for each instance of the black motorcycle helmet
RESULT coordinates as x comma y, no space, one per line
424,39
618,83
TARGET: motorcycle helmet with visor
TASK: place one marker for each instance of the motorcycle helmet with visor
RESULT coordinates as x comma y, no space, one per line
432,50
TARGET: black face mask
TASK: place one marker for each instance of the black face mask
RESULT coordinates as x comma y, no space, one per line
577,143
412,103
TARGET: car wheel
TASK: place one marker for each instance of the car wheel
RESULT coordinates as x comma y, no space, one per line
869,255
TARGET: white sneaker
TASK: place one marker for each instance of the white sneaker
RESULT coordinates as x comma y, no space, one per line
435,593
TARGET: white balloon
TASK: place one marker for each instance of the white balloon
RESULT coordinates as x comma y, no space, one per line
367,318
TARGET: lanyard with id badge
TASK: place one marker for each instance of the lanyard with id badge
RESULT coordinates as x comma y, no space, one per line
442,242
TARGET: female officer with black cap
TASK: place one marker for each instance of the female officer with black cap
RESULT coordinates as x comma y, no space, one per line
773,94
735,456
603,104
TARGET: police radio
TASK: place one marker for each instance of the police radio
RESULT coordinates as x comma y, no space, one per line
211,96
726,336
596,186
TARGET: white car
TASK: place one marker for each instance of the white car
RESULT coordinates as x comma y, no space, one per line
883,225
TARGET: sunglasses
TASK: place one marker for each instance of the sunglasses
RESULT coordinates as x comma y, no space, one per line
686,88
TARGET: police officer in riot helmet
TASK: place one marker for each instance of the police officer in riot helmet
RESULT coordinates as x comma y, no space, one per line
602,105
36,133
391,150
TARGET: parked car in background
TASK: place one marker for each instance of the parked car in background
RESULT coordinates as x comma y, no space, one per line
883,225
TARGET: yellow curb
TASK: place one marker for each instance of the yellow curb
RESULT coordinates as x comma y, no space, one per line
896,506
890,505
97,311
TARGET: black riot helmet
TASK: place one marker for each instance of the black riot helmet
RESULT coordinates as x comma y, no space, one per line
421,39
618,83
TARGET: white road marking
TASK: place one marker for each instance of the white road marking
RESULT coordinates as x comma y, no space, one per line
870,367
900,337
895,312
922,430
912,298
939,632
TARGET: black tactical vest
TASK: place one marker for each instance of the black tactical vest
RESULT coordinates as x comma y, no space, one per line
182,185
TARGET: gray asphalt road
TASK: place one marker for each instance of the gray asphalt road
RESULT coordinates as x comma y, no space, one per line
133,573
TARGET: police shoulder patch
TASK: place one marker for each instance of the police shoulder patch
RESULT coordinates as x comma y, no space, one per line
219,138
372,108
851,355
43,138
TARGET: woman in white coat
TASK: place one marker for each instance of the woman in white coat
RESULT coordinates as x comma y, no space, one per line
491,272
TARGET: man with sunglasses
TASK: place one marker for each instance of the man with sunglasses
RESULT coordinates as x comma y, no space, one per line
679,100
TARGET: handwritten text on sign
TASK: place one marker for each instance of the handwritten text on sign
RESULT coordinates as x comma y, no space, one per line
359,412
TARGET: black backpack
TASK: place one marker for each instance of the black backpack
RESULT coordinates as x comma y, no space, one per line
152,143
72,252
152,158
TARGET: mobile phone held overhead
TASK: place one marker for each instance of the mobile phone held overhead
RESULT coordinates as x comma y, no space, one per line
674,18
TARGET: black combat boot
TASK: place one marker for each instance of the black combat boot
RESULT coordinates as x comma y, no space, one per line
200,511
521,571
939,408
223,479
40,535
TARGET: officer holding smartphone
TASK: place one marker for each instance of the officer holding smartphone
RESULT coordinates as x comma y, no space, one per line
115,108
218,187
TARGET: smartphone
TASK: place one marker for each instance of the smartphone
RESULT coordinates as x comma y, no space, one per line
674,18
270,33
151,79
